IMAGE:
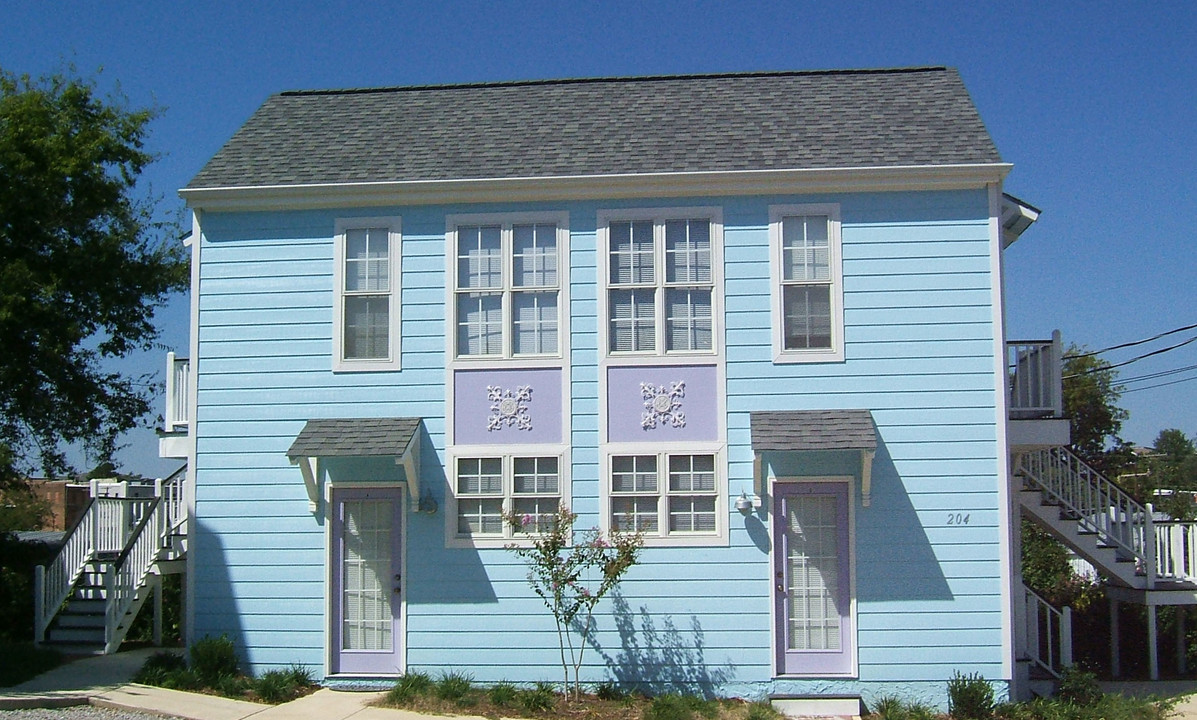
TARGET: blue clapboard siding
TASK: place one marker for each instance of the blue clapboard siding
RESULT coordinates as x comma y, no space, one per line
919,354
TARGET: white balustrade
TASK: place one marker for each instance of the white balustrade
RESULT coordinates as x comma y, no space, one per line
1036,384
1049,634
178,394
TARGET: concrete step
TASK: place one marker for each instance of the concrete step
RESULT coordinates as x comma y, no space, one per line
76,635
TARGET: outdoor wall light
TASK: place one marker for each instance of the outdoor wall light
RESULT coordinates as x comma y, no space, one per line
747,504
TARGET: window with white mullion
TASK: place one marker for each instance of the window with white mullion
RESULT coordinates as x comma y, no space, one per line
692,494
366,312
665,494
635,493
488,487
660,296
806,269
508,290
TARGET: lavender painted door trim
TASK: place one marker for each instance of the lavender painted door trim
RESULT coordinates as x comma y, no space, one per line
386,661
839,662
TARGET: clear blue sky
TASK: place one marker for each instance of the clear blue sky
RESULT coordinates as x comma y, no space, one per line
1092,102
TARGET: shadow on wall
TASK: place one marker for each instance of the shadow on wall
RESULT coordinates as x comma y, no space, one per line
212,609
899,563
660,660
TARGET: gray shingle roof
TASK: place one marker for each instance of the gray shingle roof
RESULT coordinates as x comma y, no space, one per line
354,437
605,126
813,430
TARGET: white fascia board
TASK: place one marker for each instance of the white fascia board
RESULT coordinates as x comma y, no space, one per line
597,187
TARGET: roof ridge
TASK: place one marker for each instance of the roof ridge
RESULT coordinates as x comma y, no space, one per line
619,79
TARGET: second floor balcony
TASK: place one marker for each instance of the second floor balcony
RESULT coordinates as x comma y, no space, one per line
1034,371
176,420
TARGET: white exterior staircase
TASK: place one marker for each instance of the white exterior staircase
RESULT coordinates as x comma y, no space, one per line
1123,539
110,563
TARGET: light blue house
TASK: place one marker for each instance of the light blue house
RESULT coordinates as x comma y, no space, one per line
756,316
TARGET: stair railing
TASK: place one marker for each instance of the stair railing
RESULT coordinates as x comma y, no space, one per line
1049,633
1096,503
53,583
128,572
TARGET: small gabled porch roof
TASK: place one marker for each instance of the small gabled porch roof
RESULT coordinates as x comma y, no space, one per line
814,431
357,437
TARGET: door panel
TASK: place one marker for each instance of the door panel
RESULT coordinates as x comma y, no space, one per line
812,579
367,565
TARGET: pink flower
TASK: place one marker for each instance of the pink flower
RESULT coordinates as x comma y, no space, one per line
526,520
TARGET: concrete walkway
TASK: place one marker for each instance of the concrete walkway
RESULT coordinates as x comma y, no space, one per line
104,681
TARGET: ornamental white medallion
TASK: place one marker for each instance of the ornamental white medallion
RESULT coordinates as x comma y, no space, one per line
509,408
663,405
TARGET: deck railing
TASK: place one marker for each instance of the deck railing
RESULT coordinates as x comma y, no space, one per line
1036,383
1049,634
178,394
128,572
1176,550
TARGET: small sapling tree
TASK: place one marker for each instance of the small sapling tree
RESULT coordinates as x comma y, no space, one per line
571,571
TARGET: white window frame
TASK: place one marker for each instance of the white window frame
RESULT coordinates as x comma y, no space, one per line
393,224
834,353
508,289
507,454
663,537
659,216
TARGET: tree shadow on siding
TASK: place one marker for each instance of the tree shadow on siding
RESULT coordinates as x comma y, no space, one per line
659,659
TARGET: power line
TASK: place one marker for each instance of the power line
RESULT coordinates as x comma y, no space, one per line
1156,375
1132,344
1160,385
1153,353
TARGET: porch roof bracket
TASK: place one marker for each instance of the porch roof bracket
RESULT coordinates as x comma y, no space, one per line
866,476
409,460
307,468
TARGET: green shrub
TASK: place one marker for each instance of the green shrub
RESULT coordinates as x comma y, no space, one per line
541,698
1107,707
762,711
184,679
231,685
453,686
889,707
158,667
970,697
1079,686
502,693
301,675
214,658
275,686
409,686
669,707
611,691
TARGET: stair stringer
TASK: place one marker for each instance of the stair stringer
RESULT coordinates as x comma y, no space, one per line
1110,561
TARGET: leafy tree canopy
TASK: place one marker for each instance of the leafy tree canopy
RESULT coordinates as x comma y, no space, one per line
1091,395
83,264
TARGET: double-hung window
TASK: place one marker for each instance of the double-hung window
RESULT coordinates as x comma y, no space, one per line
807,283
664,494
366,313
490,486
507,290
661,284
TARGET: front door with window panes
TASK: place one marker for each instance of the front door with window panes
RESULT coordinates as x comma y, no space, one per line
812,584
367,566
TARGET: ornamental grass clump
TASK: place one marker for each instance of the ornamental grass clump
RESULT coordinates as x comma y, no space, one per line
571,571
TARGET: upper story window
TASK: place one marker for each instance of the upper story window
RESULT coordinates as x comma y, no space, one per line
508,286
366,316
661,274
808,311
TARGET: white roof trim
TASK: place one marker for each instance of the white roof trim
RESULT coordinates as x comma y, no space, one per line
1017,216
746,182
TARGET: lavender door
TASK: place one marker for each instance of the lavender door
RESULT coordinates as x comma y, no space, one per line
367,562
812,581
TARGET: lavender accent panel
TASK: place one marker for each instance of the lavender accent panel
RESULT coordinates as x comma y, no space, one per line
507,406
668,403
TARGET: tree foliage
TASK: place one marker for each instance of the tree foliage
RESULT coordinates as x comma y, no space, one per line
83,264
1091,395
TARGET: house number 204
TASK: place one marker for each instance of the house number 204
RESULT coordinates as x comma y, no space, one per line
957,519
